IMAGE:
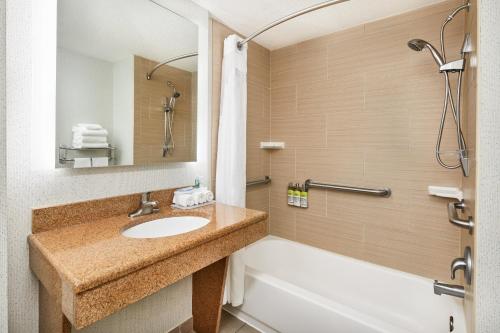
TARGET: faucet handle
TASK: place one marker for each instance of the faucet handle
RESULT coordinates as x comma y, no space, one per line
464,264
145,197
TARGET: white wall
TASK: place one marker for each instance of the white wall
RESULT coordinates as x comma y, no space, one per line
32,180
84,93
3,206
487,231
123,111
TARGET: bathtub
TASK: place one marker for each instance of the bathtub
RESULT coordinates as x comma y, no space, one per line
295,288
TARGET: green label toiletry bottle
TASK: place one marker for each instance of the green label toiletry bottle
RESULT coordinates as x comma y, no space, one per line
303,198
296,196
290,194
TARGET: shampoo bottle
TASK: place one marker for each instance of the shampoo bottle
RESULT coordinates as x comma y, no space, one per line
291,191
303,198
296,196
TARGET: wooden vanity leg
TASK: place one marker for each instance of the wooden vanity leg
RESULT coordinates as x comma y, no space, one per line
208,291
51,319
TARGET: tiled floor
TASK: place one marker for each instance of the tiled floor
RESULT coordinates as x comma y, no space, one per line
230,324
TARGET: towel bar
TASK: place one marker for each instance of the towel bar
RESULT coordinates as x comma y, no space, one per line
63,152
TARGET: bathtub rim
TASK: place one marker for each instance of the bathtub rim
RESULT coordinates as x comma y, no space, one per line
368,264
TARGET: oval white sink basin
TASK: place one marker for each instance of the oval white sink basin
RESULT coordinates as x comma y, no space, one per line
169,226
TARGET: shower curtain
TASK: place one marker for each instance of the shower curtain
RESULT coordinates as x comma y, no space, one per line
231,152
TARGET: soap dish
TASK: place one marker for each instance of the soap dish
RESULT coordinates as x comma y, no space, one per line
192,207
446,192
272,145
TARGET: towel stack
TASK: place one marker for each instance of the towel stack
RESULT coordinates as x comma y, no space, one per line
191,196
90,136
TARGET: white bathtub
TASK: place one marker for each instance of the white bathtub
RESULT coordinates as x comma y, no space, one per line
295,288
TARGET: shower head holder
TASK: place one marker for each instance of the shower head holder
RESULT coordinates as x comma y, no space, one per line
453,66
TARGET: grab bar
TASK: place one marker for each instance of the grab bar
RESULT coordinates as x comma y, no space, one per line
454,219
266,180
384,192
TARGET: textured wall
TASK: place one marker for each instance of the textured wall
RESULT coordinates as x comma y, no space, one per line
3,194
488,171
29,187
258,128
469,118
358,107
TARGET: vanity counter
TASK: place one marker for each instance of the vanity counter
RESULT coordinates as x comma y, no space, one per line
92,270
90,254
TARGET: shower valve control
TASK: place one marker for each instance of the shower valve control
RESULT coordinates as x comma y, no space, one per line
464,264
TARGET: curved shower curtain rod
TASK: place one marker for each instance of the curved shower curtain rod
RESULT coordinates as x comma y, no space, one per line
184,56
289,17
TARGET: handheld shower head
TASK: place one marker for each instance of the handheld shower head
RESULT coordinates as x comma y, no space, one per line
416,44
175,94
419,45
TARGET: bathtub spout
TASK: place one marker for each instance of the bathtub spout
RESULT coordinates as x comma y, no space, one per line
448,289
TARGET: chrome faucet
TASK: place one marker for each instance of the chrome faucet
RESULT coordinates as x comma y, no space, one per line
448,289
147,207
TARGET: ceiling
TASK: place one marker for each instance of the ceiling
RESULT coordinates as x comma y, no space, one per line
112,30
248,16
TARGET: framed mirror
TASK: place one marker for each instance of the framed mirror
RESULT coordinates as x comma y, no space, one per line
126,84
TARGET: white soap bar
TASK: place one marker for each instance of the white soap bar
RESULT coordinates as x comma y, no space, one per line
272,145
446,192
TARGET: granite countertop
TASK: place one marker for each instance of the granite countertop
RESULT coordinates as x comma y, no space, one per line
90,254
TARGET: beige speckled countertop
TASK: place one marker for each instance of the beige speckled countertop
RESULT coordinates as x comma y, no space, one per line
90,254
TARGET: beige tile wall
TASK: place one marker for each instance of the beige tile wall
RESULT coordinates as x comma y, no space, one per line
149,97
359,107
258,111
469,183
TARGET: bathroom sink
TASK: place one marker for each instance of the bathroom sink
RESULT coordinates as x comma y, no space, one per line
168,226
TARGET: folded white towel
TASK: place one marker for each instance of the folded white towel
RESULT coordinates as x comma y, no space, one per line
77,138
98,162
82,162
90,126
89,132
184,200
90,145
199,197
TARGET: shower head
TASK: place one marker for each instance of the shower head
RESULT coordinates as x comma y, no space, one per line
419,45
416,44
175,94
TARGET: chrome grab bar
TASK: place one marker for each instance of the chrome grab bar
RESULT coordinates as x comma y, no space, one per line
454,219
383,192
266,180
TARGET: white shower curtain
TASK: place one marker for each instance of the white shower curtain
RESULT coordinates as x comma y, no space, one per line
231,151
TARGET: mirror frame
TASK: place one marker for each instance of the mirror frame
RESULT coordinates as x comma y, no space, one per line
43,152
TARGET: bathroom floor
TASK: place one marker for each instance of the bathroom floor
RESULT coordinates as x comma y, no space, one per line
231,324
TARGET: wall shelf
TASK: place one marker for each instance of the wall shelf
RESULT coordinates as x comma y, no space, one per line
272,145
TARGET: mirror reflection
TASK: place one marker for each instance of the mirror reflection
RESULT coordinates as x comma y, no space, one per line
126,84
